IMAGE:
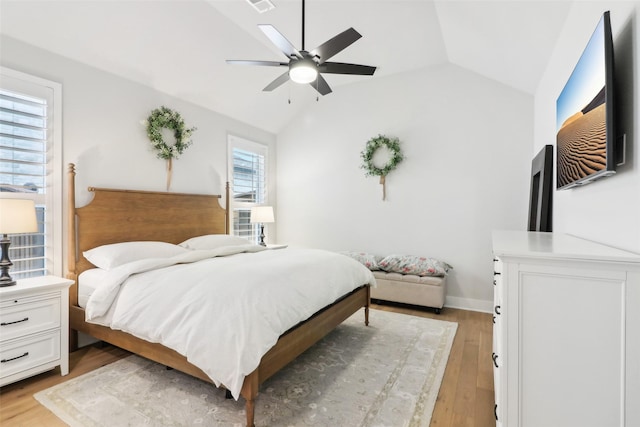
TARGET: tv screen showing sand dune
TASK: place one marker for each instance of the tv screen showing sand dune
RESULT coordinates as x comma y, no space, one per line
582,145
581,117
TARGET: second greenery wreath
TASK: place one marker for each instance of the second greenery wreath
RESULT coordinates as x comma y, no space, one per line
373,145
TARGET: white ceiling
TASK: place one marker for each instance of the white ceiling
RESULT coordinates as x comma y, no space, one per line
180,46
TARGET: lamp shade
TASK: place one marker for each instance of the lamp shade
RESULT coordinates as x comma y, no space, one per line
17,216
262,214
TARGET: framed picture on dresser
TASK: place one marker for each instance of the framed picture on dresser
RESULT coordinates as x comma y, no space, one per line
541,193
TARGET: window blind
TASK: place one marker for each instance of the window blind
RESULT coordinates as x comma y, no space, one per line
248,185
248,176
23,173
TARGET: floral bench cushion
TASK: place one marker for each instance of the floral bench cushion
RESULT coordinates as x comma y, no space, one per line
402,264
416,265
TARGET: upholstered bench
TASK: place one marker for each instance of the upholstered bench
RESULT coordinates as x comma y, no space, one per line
428,291
407,279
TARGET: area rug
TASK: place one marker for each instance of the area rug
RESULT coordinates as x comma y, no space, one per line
384,374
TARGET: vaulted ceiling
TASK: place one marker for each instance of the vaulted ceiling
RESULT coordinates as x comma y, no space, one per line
180,46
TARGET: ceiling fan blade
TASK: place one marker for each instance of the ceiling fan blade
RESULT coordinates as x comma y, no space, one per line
249,62
277,82
336,44
321,85
280,41
342,68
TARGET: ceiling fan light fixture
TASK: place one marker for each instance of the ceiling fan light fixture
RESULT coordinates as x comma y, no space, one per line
303,71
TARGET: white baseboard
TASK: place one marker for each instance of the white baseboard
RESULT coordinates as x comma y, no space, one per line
483,306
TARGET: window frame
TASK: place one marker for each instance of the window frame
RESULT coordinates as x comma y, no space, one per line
234,141
28,84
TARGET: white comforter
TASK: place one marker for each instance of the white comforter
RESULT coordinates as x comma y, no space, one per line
223,309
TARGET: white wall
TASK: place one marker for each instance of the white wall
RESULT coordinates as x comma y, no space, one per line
608,210
467,142
103,134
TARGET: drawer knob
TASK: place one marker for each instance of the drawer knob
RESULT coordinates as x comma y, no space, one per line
14,322
14,358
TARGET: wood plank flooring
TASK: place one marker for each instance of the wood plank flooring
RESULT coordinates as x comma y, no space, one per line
465,398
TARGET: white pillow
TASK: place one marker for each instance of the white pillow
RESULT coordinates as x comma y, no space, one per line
111,256
213,241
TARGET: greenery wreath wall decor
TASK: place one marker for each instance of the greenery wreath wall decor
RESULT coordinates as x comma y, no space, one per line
373,145
162,118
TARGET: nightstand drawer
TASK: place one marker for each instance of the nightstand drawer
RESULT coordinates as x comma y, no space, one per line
22,354
21,318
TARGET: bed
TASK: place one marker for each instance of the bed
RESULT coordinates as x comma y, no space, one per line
115,216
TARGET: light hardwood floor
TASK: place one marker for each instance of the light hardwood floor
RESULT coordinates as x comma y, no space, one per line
465,398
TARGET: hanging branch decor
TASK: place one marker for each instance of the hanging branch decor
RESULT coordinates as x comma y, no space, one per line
164,117
393,145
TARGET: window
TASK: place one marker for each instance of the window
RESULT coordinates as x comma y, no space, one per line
30,154
247,161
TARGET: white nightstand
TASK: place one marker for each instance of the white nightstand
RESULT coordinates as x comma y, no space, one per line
34,327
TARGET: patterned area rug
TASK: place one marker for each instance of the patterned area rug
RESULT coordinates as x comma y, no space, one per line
386,374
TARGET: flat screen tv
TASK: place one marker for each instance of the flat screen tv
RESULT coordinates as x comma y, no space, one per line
585,138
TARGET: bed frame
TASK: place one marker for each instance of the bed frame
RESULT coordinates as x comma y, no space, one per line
126,215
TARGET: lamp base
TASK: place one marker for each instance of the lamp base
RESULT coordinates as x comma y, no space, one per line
5,263
261,242
8,282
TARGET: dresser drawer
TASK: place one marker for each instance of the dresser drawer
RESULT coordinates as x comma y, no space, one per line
25,353
23,318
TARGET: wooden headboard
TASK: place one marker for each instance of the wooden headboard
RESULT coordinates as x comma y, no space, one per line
127,215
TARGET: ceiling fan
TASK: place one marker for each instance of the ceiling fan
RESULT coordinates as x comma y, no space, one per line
308,66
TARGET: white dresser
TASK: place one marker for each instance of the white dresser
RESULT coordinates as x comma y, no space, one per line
566,337
34,327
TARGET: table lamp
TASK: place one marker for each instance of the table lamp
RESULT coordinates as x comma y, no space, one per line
262,215
16,216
